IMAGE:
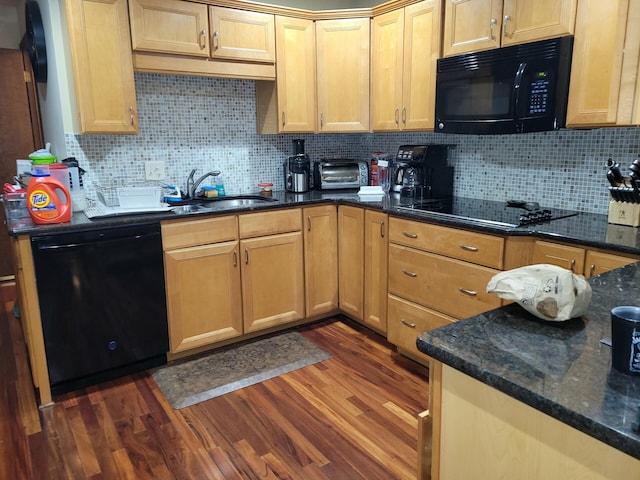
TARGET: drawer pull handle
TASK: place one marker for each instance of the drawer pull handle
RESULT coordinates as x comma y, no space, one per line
308,223
246,256
592,269
235,258
573,265
407,272
203,39
408,324
471,293
469,248
410,235
382,229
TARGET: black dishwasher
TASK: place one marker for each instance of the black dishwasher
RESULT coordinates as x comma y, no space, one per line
102,303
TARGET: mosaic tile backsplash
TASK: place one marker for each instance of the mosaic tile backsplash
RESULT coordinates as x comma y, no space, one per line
209,124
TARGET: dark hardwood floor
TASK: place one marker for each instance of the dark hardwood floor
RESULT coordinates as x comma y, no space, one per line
352,416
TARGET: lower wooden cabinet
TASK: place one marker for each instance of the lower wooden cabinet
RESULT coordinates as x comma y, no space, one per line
203,295
272,280
320,227
597,262
376,253
351,260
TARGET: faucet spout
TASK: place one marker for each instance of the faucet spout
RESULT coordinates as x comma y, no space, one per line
192,185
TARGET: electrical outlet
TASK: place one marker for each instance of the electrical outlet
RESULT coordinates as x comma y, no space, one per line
154,170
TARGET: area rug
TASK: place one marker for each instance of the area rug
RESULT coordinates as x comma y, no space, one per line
224,370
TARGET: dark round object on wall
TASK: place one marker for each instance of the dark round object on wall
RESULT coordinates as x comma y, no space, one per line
35,41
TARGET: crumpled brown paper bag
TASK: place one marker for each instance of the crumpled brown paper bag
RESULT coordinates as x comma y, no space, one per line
547,291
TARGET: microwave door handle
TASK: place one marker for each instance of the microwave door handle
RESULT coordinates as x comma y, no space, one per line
517,83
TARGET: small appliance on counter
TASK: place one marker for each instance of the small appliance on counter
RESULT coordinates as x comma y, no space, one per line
421,171
297,170
340,173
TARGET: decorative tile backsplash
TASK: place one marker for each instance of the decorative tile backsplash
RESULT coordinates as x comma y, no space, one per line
209,124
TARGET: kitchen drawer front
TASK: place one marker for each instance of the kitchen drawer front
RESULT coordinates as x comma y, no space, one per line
189,233
479,248
565,256
407,320
270,222
448,285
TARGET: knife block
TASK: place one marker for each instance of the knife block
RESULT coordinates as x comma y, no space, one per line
624,213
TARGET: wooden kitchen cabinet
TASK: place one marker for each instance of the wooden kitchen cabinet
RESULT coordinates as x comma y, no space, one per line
343,60
604,70
376,254
288,105
525,443
271,256
170,26
583,261
405,46
320,259
202,278
351,261
189,38
241,35
100,47
472,25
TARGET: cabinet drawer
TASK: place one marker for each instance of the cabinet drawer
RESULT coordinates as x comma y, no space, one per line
565,256
270,222
473,247
187,233
600,262
448,285
407,320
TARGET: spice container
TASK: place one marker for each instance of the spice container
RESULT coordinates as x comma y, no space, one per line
265,189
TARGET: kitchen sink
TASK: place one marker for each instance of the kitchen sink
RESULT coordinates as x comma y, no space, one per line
190,208
196,205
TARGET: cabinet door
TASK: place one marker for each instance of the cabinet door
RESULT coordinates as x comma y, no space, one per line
203,295
376,227
102,66
351,260
321,259
600,262
597,63
421,51
272,280
387,37
565,256
169,26
242,35
296,74
471,25
527,21
343,75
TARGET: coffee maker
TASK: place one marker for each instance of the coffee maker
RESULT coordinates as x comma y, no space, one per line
421,172
297,169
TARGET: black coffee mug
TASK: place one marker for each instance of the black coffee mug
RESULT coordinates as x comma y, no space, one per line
625,339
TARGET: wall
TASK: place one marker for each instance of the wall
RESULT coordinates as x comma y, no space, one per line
209,123
10,17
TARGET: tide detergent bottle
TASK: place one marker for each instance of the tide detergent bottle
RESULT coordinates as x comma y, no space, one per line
48,198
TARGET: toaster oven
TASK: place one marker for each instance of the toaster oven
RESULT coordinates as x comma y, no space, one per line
340,173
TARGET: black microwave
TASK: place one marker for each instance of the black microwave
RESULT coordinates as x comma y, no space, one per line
516,89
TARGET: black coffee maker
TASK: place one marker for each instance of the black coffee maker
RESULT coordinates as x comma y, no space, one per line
297,169
421,172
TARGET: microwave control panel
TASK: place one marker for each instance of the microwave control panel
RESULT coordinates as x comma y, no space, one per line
539,94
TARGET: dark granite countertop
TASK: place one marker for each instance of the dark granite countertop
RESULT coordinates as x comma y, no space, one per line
584,229
562,369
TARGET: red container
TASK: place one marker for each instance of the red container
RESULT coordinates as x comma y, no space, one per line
48,199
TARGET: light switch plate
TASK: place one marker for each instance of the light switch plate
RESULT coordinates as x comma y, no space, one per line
154,170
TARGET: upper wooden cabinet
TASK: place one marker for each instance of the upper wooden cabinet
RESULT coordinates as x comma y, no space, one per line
288,105
343,75
472,25
169,26
103,71
604,71
405,45
243,36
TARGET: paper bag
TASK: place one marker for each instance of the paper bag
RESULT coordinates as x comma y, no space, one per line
547,291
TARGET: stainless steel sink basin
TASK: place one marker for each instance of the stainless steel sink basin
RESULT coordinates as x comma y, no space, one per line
237,201
190,208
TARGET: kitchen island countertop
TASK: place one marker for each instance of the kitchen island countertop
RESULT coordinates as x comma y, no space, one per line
560,368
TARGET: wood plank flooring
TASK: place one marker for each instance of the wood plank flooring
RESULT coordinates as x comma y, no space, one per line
350,417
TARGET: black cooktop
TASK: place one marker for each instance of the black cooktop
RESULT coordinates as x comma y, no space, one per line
508,214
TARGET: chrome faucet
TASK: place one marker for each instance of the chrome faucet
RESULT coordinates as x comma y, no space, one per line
192,185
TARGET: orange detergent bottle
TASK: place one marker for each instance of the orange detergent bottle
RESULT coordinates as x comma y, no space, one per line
48,198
